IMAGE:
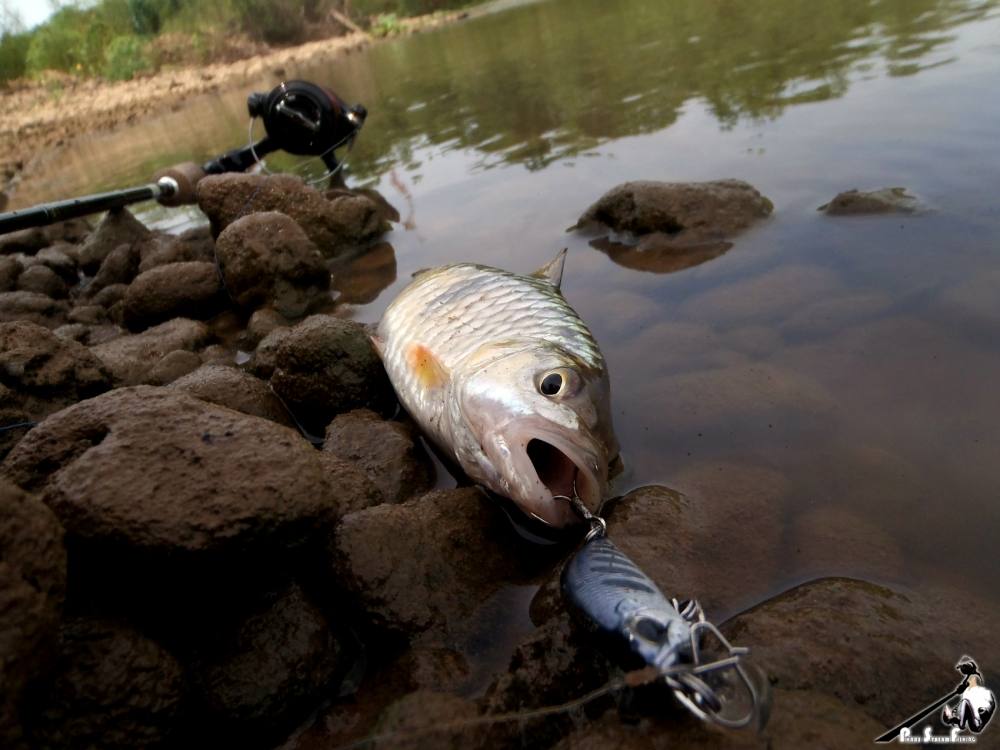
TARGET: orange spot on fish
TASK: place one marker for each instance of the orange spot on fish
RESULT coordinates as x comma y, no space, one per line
429,371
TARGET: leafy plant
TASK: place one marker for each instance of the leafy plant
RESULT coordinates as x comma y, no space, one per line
124,57
386,24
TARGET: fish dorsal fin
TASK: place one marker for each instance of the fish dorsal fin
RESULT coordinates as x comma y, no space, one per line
426,367
552,271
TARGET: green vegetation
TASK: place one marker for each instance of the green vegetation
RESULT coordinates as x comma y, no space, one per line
119,39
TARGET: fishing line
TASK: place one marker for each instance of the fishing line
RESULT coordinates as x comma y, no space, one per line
636,678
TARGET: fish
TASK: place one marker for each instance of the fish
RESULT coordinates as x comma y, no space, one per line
503,376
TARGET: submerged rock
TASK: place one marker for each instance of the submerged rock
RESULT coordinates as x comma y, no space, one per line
885,201
388,452
681,212
113,688
327,365
32,587
332,225
266,258
189,290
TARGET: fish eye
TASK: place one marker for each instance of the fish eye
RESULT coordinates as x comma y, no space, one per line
551,384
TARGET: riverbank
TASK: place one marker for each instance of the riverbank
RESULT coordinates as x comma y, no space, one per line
42,116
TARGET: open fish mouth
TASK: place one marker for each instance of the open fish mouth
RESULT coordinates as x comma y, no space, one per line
562,473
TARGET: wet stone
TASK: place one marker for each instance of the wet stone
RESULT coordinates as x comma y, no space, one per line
885,201
388,452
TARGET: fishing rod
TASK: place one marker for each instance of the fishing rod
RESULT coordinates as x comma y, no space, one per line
299,117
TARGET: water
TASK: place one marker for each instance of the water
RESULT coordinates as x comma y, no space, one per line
856,357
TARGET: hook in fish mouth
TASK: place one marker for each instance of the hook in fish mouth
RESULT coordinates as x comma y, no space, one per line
562,473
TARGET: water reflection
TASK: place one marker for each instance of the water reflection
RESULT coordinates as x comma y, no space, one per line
361,279
658,253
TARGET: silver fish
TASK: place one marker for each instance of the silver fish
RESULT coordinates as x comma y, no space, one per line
501,373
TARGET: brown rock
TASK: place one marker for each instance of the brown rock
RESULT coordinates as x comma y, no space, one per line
271,671
23,241
431,720
120,266
341,471
689,211
261,323
32,307
110,295
333,226
93,315
235,389
676,538
113,688
327,365
266,258
192,245
429,564
130,358
885,201
32,586
190,290
152,479
42,280
386,451
56,259
117,228
174,365
10,269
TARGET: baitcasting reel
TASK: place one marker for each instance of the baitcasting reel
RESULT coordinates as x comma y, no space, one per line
299,118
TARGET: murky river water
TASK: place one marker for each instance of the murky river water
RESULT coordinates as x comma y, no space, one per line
857,357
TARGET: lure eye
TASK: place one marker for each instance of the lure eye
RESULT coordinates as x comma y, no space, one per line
551,384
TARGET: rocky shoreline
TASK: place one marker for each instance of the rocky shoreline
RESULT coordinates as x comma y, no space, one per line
181,566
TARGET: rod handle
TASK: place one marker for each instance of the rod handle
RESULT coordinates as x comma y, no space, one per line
186,177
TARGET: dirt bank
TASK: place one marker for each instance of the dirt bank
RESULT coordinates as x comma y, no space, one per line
42,115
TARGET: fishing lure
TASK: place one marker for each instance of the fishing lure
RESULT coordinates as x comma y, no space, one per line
610,590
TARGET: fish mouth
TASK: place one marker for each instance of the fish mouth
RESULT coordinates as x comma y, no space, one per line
561,472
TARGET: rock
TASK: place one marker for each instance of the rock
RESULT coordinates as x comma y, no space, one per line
845,638
10,269
32,588
174,365
28,241
217,354
262,362
69,231
266,258
118,227
387,452
429,720
32,307
190,290
271,671
88,314
110,295
261,323
45,372
885,201
42,280
360,280
77,332
676,538
130,358
660,253
341,471
155,482
834,541
58,261
120,266
88,335
113,688
327,365
690,212
192,245
235,389
333,226
427,565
